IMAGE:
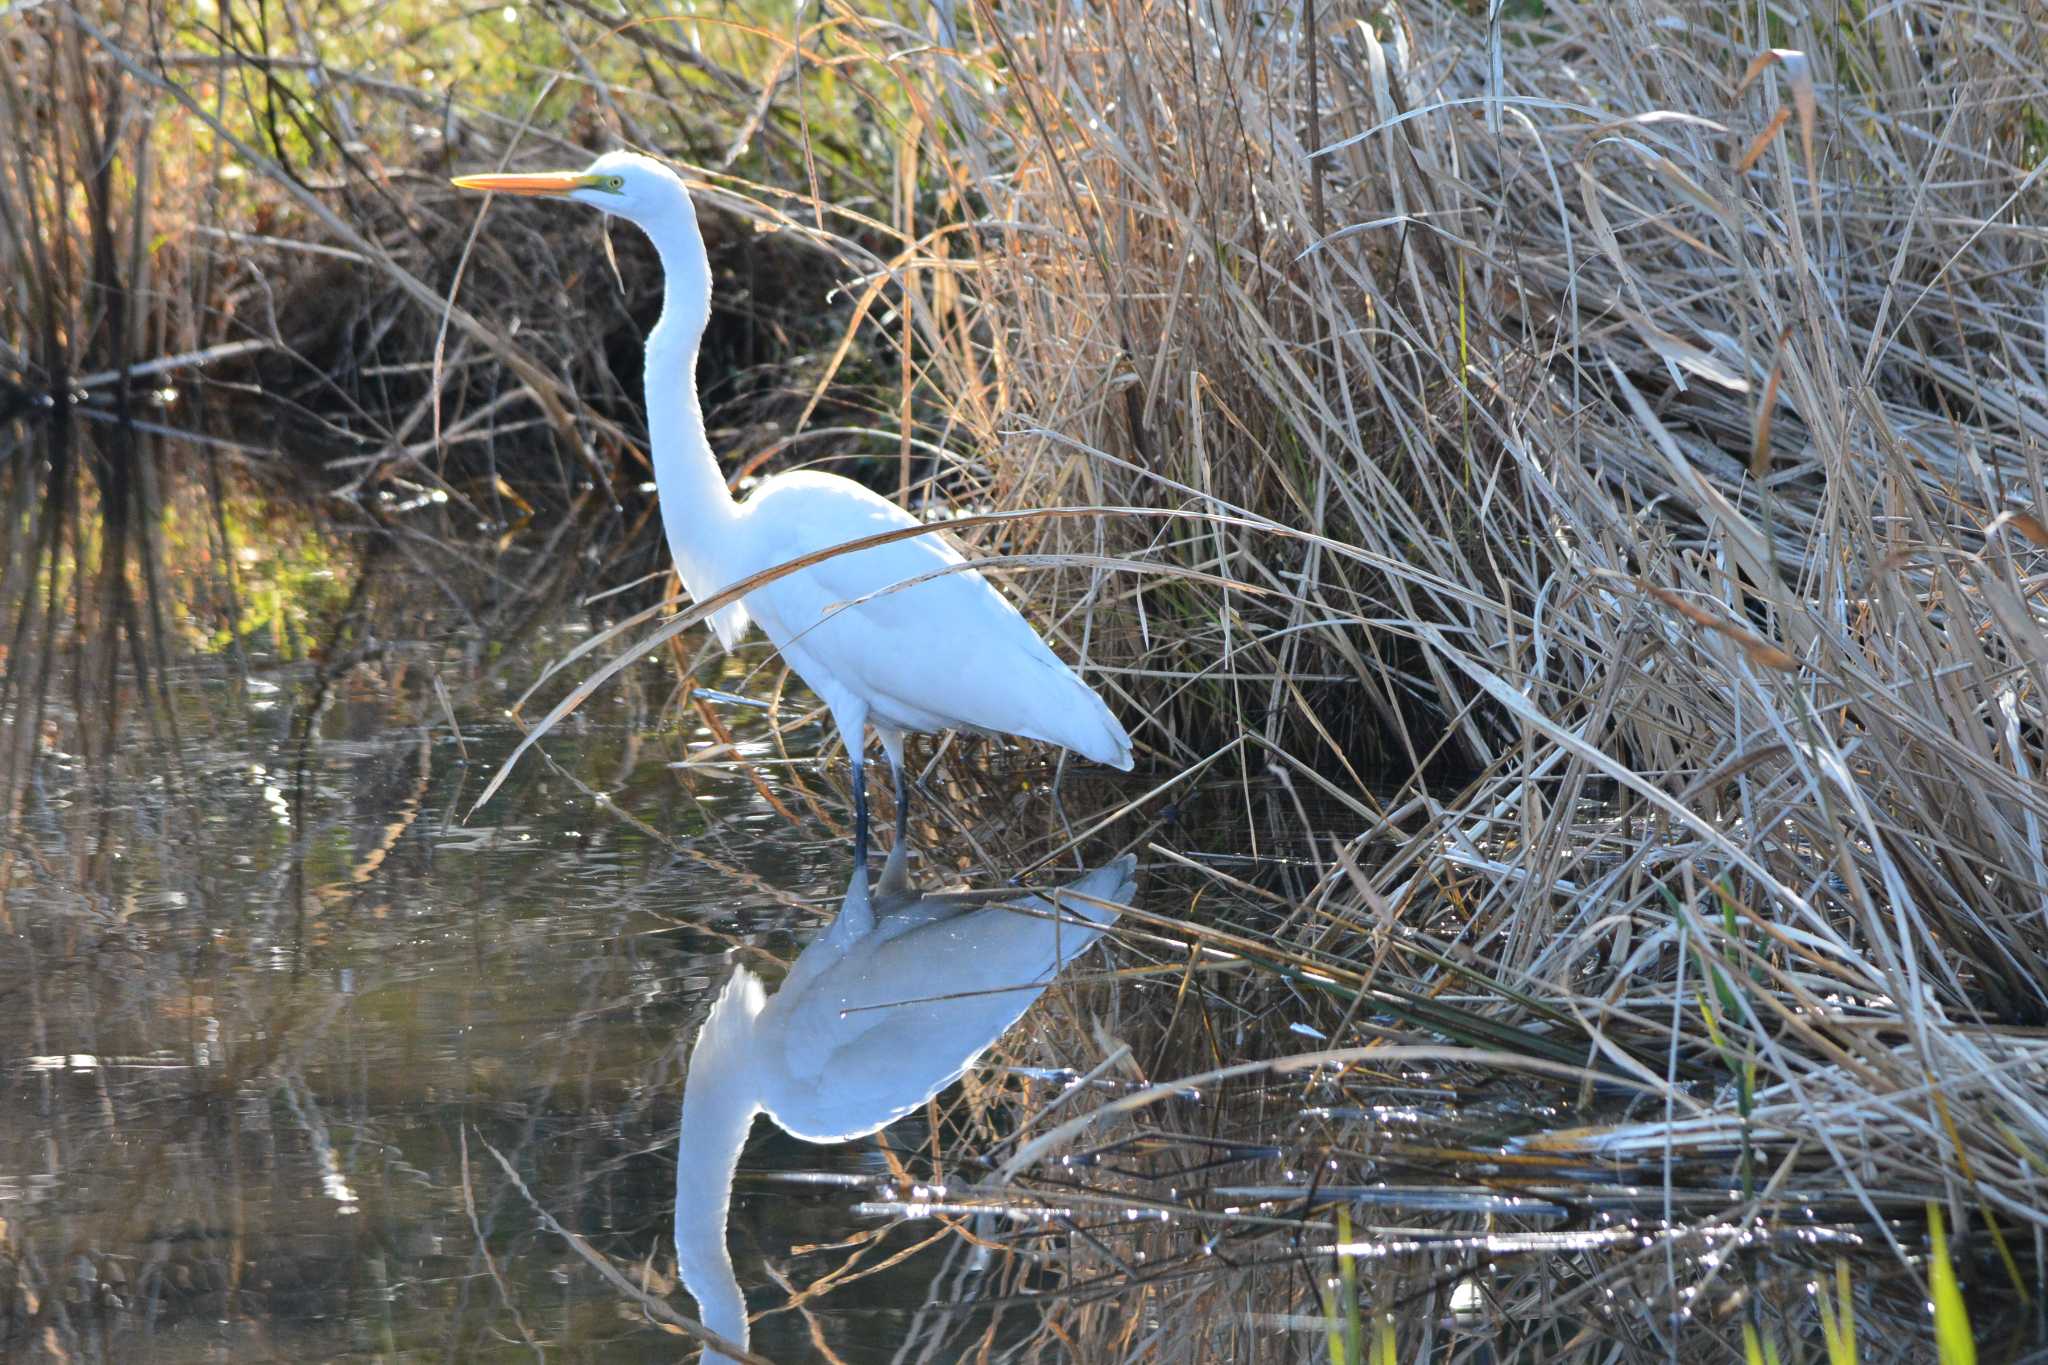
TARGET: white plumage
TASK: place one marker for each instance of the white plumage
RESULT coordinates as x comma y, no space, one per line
946,652
949,652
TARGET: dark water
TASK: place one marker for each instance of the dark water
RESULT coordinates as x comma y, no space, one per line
301,1058
272,1000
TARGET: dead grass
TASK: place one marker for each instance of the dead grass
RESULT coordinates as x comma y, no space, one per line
1637,436
1643,425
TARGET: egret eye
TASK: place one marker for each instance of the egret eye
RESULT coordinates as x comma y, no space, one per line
615,182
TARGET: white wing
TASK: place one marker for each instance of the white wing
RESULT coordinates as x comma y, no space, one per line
948,651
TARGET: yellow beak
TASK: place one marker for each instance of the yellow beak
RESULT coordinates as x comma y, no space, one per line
533,182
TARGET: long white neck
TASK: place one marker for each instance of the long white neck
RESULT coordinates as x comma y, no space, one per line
696,509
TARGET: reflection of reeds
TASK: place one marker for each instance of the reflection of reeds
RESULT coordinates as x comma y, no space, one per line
216,1090
78,199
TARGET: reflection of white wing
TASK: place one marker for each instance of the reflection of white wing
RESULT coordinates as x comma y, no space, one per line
949,651
872,1021
901,1015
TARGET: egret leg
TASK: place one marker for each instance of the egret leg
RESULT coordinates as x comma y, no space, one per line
852,718
895,883
860,814
902,806
892,745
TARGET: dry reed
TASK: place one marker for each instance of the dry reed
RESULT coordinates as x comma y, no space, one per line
1635,409
1620,423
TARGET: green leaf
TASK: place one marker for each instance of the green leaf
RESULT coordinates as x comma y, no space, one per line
1952,1337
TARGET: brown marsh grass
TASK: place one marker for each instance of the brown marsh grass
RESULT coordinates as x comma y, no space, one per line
1591,453
1635,410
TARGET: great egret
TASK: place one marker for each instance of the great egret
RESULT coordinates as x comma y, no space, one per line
949,652
890,1005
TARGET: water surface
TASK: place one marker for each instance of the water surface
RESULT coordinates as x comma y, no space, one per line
304,1058
276,997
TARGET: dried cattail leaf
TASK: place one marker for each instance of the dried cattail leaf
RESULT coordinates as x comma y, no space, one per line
1764,139
1698,615
1763,653
1799,71
2029,525
1760,651
1760,441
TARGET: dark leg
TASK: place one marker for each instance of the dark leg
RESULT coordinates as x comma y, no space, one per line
860,814
902,804
894,888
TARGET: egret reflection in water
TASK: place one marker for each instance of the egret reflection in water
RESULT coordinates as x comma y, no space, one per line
891,1004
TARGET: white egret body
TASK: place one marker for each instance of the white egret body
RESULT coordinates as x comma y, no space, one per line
950,652
890,1005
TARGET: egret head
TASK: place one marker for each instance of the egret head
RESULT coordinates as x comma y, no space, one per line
637,188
